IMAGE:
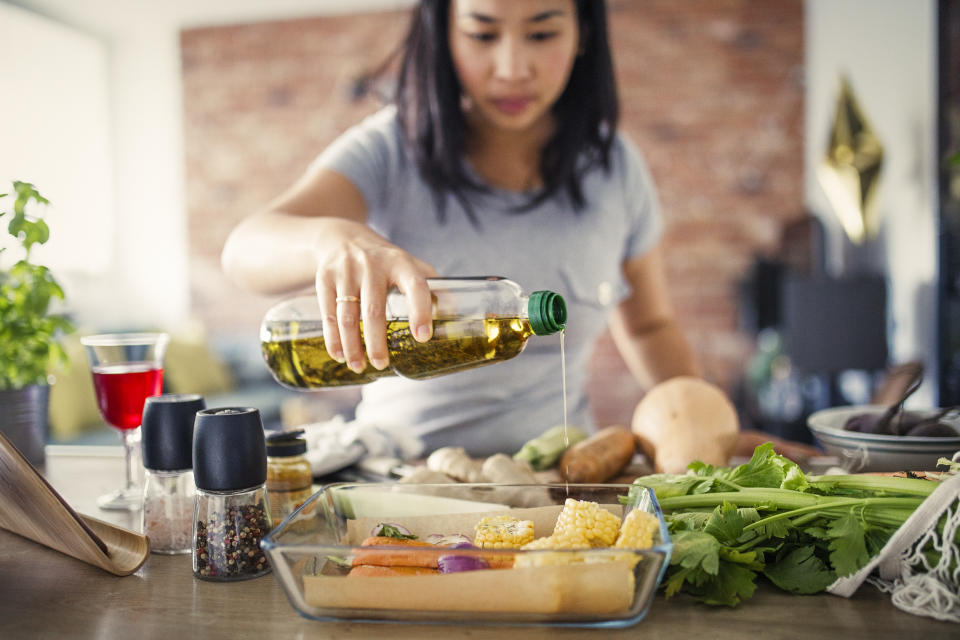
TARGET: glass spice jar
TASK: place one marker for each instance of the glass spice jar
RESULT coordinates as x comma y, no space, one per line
232,513
168,488
229,528
289,477
168,502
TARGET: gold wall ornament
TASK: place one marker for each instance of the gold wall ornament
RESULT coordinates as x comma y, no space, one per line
850,172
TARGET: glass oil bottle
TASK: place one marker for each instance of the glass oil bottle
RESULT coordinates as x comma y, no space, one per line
476,322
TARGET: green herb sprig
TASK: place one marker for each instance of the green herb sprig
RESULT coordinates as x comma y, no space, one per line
392,531
29,333
767,518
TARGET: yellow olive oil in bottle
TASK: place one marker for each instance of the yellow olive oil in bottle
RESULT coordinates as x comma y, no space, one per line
476,321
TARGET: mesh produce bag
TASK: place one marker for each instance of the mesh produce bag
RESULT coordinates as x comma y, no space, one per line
919,566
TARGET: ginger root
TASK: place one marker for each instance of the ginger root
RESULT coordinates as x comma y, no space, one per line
455,462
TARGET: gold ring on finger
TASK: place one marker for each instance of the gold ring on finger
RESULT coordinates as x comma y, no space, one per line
347,299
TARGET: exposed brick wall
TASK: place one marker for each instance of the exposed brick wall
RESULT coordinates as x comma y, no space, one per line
711,91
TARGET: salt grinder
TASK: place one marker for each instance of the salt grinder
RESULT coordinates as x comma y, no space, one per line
168,488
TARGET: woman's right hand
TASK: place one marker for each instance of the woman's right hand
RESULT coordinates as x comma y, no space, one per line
355,268
316,233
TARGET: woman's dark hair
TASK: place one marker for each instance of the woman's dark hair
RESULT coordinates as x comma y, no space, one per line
428,102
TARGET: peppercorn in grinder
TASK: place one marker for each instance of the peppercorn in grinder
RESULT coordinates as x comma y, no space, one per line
232,512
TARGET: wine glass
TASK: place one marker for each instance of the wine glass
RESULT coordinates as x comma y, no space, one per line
127,369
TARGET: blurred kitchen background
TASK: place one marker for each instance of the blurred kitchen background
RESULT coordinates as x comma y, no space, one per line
153,126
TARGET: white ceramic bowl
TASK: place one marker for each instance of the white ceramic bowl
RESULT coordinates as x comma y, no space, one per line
874,452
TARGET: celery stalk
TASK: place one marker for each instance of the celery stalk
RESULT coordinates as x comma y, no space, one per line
907,486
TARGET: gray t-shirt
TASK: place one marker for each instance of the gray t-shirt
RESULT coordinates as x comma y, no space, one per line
577,254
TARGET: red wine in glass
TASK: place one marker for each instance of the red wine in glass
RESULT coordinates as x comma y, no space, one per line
127,369
122,389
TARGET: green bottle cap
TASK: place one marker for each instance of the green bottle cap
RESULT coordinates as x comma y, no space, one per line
547,312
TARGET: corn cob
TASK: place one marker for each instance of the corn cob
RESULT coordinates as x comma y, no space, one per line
637,530
585,525
556,542
545,559
585,522
502,532
548,558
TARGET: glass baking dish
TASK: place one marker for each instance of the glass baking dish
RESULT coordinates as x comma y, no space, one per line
311,552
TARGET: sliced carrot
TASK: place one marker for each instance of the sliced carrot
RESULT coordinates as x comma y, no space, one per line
420,554
415,555
373,571
378,541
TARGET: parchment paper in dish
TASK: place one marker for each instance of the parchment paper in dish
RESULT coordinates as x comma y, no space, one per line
577,589
583,588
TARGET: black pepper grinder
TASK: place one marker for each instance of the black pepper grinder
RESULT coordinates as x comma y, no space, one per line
232,514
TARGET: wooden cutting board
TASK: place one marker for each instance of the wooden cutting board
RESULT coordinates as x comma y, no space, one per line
30,507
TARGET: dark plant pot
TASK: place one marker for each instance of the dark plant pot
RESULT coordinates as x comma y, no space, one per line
23,419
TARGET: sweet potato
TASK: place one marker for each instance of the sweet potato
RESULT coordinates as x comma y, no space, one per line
377,571
600,457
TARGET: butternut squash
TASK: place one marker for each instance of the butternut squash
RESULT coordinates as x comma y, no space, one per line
685,419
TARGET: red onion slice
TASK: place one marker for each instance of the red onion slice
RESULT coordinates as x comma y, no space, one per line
457,563
448,539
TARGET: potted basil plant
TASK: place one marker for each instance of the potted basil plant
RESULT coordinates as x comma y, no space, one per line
29,331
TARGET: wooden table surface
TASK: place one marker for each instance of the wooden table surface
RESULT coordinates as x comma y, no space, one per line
44,594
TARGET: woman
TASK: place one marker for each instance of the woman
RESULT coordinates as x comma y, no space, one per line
500,156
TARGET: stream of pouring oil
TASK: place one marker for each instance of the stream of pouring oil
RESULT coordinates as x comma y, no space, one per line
563,384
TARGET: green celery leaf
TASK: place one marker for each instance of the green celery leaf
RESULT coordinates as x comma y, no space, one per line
675,579
668,485
725,523
709,485
688,521
775,529
773,549
750,559
876,538
761,470
732,584
696,550
701,469
750,514
817,532
848,548
794,478
800,571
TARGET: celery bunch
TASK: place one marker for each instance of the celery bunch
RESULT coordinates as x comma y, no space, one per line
766,517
